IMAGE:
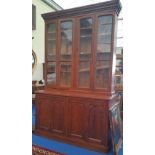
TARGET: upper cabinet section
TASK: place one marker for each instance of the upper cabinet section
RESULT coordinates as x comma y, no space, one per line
79,48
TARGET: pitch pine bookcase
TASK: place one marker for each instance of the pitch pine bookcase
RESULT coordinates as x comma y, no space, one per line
79,75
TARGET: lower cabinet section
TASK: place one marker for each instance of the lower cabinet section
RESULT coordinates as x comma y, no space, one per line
75,120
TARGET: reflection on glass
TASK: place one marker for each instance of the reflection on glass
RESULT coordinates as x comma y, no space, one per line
85,32
85,46
65,73
51,44
51,28
119,62
105,29
104,34
105,19
85,53
103,56
85,38
66,40
51,73
85,23
67,25
84,74
103,48
104,39
51,53
102,74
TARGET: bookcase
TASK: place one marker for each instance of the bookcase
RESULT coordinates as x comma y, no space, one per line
79,75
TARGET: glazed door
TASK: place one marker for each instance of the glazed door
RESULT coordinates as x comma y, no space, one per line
58,113
84,56
65,52
103,52
51,52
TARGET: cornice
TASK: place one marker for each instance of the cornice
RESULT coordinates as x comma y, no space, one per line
113,5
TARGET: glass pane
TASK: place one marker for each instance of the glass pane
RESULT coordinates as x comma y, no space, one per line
118,79
51,73
85,23
84,74
66,40
51,44
85,39
102,74
67,25
85,32
51,50
105,19
119,50
104,39
104,35
103,56
85,48
119,70
103,48
65,73
51,28
105,29
119,62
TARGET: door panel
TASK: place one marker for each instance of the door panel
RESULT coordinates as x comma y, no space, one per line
58,114
44,114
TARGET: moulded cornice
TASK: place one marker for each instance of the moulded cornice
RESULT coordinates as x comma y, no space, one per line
113,5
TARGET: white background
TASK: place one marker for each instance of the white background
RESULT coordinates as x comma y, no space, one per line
16,77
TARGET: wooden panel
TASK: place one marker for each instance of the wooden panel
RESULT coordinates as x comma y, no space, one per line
97,122
77,117
43,113
58,112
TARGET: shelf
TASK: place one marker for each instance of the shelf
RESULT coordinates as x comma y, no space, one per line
84,53
84,28
119,65
119,56
51,39
51,32
66,30
67,39
65,71
104,34
87,36
66,54
118,74
49,53
97,68
106,24
84,70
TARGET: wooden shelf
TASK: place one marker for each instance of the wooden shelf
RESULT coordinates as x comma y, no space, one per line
104,34
62,30
119,65
120,74
51,39
85,28
85,36
97,68
51,32
119,56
